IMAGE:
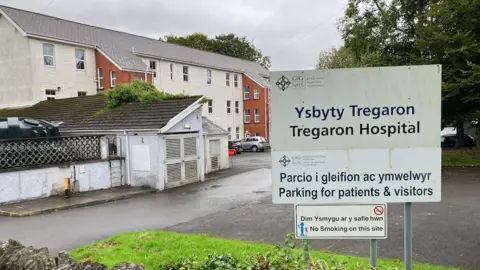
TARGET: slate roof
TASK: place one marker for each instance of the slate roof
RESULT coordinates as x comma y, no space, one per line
120,46
81,113
210,128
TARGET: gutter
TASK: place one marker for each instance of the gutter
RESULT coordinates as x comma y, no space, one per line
186,62
61,40
110,131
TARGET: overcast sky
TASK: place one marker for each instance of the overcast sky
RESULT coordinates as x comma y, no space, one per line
292,32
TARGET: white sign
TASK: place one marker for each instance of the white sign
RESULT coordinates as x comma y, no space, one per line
363,135
361,221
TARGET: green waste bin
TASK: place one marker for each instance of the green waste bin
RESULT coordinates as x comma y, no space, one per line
25,128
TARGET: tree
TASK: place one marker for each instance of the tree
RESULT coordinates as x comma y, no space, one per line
409,32
344,58
226,44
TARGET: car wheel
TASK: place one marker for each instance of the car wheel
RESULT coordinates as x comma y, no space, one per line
254,148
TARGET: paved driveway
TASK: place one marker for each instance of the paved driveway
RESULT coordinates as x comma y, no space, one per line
446,233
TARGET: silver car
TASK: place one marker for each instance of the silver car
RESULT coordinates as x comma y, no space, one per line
255,144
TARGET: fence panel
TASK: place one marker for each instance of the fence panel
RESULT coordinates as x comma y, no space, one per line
44,151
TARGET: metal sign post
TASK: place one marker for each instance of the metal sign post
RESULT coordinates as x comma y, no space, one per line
305,250
373,253
408,235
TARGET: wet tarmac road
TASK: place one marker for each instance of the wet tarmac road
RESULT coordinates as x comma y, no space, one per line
68,229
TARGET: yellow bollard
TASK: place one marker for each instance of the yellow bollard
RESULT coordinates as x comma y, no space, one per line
66,181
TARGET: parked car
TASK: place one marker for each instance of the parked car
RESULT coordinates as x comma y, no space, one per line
450,140
255,144
235,145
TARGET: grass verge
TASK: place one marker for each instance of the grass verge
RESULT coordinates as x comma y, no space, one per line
461,157
157,248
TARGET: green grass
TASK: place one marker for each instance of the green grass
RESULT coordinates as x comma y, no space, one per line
156,248
461,157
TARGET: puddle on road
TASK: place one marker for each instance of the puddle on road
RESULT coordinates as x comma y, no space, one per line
216,186
259,191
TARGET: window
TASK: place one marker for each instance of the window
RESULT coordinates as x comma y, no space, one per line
80,58
228,106
48,55
51,94
185,73
82,94
236,106
209,76
237,133
171,72
256,114
257,134
235,80
256,93
210,106
138,78
247,116
153,66
100,78
246,92
227,79
113,78
229,134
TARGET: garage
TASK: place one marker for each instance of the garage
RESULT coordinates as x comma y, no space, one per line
182,160
216,147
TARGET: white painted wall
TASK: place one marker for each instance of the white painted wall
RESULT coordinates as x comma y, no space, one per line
15,68
40,183
224,158
146,159
64,73
218,91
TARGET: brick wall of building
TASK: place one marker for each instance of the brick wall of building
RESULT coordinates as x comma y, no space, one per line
260,128
122,76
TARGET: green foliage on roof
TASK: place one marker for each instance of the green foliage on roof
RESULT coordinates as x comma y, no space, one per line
137,91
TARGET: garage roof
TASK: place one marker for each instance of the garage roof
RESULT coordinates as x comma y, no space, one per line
90,113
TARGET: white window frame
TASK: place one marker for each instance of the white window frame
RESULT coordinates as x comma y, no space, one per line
227,79
246,116
257,134
47,55
209,76
246,94
100,79
113,81
154,69
138,77
256,115
229,105
256,93
229,133
171,71
185,75
235,80
237,133
237,107
49,95
210,106
79,60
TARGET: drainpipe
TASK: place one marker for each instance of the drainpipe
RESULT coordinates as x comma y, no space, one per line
266,98
127,161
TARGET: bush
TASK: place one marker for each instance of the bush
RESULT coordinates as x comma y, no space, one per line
285,257
138,90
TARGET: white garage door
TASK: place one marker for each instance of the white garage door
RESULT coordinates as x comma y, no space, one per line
181,160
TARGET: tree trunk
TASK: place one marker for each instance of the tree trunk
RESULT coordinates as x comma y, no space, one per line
460,133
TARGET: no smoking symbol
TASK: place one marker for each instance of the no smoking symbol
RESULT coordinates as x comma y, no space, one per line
378,210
